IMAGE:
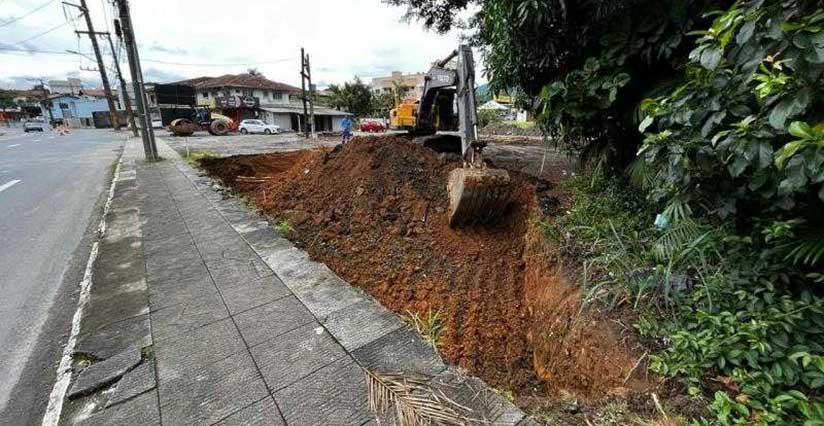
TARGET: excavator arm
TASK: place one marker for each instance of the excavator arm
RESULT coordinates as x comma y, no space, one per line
477,194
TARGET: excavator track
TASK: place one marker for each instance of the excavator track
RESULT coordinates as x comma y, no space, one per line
477,196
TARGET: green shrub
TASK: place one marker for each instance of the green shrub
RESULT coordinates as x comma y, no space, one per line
488,116
725,308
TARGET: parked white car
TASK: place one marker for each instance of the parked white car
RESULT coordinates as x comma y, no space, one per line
258,126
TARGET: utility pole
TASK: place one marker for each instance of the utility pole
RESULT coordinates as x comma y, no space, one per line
93,37
44,103
303,92
125,30
306,80
126,101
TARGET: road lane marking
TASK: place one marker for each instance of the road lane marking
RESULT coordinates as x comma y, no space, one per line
64,370
9,184
12,146
36,140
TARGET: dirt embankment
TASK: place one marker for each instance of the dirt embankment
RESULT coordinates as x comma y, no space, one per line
375,212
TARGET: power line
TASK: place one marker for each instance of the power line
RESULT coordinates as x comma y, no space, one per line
50,30
26,14
35,51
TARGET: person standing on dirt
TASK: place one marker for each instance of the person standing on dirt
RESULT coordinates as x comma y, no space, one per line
346,124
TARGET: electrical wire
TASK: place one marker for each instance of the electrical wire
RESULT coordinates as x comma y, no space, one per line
50,30
3,24
36,51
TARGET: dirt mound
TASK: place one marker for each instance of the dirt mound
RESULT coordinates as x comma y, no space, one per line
375,212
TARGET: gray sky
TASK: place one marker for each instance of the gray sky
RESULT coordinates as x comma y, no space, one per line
344,38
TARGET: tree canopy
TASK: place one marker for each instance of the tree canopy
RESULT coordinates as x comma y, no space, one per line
354,97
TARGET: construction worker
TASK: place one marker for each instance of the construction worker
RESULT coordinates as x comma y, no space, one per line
346,125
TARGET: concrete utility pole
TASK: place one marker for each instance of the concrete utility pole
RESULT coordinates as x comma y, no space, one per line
126,32
306,80
126,101
93,37
303,92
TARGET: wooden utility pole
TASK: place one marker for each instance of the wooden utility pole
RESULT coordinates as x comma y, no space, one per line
126,101
306,81
125,30
107,89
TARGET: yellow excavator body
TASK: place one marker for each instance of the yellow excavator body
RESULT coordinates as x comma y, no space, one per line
404,116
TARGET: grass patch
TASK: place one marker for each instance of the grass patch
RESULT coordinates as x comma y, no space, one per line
193,157
429,326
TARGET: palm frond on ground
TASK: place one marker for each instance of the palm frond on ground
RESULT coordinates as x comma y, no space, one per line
410,401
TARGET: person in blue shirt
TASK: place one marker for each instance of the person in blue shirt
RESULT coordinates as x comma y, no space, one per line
346,124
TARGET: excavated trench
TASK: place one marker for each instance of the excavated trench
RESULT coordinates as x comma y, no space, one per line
375,212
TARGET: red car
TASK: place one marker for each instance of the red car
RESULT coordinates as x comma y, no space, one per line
372,126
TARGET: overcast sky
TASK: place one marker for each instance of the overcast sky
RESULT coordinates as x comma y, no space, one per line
345,38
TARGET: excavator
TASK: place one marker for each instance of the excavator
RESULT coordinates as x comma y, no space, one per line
477,193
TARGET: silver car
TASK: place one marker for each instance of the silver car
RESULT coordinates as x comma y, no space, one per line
34,126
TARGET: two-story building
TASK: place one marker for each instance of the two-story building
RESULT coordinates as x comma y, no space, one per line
242,96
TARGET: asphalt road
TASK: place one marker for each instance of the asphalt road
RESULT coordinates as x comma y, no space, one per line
50,191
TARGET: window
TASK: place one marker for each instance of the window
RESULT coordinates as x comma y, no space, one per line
205,94
277,96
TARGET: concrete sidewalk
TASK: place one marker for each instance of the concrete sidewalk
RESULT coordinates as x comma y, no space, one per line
201,314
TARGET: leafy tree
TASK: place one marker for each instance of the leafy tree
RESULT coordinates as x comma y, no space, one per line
354,97
400,90
382,103
254,72
742,134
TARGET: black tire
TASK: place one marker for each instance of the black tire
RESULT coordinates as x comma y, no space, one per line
218,128
243,131
267,132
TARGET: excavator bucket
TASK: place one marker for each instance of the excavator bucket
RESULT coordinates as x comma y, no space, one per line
478,195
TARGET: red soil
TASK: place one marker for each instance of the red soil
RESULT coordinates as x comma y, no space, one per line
375,212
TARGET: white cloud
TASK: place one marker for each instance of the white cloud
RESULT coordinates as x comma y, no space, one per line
344,38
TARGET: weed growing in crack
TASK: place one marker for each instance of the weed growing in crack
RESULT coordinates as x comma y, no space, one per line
429,326
283,227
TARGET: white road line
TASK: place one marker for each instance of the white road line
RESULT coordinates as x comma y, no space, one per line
8,185
12,146
64,371
36,140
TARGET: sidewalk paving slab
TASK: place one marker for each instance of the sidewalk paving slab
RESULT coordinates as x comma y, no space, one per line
295,355
139,411
137,381
261,413
102,373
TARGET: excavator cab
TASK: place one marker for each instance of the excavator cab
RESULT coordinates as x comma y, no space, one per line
477,193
